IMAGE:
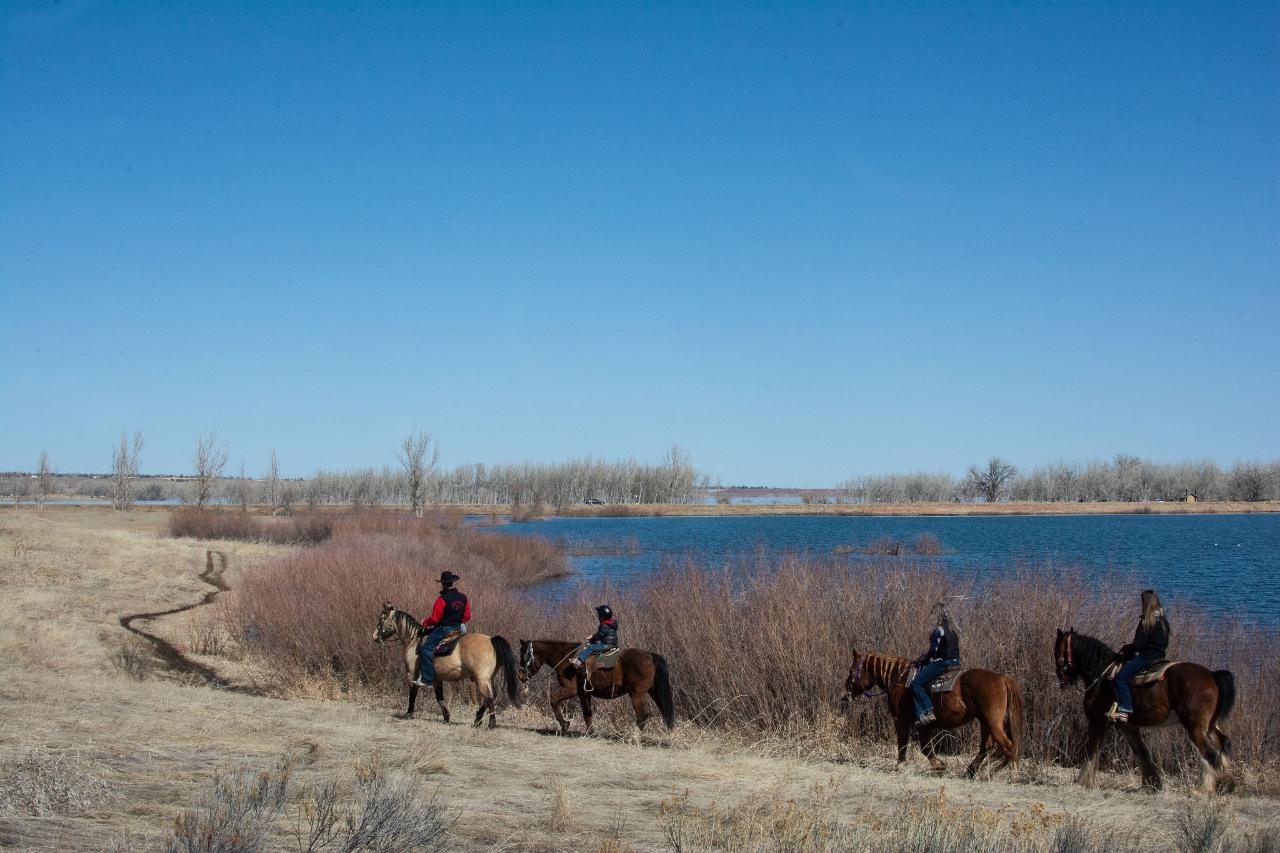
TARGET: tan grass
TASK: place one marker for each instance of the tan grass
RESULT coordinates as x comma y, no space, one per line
160,743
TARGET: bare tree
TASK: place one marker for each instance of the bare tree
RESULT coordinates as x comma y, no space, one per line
989,482
273,481
418,456
44,480
210,458
243,490
124,470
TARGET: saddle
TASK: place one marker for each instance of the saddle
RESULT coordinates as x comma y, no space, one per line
1148,675
447,643
944,683
605,660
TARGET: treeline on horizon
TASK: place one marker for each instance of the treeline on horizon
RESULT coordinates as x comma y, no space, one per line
1124,478
673,479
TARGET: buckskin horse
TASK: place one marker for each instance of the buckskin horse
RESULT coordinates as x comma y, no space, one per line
636,674
992,698
1199,698
476,657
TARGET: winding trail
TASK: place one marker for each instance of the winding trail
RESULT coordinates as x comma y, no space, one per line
173,659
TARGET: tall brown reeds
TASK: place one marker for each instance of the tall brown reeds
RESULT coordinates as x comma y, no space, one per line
208,523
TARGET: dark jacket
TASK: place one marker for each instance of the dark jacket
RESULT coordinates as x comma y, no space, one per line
1152,644
607,633
450,611
943,645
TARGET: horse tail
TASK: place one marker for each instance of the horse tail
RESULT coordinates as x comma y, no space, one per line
661,690
1226,701
508,660
1015,714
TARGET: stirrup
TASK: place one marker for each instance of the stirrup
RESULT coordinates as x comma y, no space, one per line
418,682
1115,715
926,719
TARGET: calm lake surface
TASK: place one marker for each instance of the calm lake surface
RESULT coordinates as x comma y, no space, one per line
1230,563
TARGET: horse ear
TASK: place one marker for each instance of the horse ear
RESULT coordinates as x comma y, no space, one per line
1059,632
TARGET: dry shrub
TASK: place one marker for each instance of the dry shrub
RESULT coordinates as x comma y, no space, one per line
309,616
926,545
250,811
208,523
885,547
529,512
134,659
560,818
44,782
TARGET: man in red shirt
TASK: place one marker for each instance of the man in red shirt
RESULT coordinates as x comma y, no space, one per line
451,611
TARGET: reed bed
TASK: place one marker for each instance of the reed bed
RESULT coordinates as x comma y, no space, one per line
758,648
205,523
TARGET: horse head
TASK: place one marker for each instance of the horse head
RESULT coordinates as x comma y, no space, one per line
529,662
1064,658
386,627
859,681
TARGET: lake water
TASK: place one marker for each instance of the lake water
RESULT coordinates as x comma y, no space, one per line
1230,563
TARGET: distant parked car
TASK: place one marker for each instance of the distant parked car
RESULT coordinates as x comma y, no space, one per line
594,502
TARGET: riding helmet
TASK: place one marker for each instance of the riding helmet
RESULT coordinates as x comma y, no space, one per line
604,611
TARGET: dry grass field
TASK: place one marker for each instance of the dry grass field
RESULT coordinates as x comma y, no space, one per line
104,745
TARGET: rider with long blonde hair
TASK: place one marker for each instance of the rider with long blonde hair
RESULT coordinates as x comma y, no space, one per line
1150,644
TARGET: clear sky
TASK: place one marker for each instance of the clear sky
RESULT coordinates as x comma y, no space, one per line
801,240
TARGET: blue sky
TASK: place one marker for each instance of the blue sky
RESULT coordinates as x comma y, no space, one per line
802,241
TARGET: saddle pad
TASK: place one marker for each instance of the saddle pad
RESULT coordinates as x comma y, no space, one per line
946,682
1148,675
607,660
447,644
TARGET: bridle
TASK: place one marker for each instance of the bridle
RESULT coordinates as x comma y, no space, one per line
857,677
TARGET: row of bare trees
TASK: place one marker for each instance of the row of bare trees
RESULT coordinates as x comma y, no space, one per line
1124,478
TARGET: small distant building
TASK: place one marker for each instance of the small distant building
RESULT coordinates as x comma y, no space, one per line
1189,497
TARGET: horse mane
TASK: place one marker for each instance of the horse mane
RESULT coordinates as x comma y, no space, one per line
1091,654
413,620
886,670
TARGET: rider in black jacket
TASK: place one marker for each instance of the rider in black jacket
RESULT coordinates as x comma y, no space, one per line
1150,644
605,637
943,654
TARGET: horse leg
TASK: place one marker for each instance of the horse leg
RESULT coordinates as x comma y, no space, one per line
903,729
585,699
413,697
995,724
444,709
1211,758
1150,773
556,699
1097,731
485,692
640,704
926,746
984,744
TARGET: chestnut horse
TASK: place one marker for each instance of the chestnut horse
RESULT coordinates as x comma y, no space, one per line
992,698
476,657
636,674
1199,698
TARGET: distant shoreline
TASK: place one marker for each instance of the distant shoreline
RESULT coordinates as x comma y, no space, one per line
760,509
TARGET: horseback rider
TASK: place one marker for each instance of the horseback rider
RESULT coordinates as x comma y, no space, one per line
605,638
451,613
1150,643
943,654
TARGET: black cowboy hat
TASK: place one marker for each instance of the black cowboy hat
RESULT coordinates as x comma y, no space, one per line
449,577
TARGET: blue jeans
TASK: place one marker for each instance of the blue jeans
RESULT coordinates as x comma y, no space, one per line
591,649
920,684
427,652
1124,694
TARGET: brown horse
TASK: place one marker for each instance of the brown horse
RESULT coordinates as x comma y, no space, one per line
476,657
1199,698
636,674
992,698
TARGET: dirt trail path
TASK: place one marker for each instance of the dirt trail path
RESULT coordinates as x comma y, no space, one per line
154,745
173,659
